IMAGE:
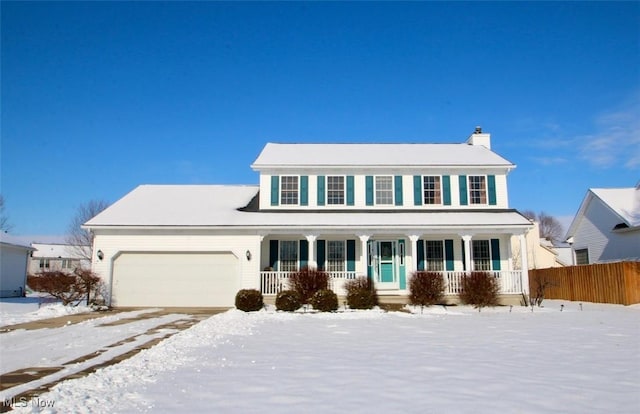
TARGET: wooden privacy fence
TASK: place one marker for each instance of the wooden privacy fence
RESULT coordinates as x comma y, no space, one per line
601,283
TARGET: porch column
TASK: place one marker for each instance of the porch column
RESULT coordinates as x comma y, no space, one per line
524,259
414,251
311,239
467,252
364,238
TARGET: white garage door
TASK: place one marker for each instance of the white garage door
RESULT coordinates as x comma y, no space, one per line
175,279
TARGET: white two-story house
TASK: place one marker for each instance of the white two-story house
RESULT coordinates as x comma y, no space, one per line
382,211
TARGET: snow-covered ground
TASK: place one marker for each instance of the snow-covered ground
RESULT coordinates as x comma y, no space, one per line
34,307
445,360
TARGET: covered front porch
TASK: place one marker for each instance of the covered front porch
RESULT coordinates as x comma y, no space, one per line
390,258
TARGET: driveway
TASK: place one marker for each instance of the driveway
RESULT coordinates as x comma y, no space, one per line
38,355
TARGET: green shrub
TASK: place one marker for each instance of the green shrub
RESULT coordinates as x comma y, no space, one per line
288,300
307,281
426,288
325,300
480,289
249,300
361,293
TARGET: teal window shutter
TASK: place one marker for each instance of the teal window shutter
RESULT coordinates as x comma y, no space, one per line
273,254
351,255
369,189
275,190
417,190
462,180
448,254
420,254
398,190
304,190
491,184
350,198
446,190
321,190
304,253
495,254
320,250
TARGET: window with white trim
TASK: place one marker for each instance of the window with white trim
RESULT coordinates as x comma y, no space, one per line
288,256
44,263
336,256
434,255
289,189
431,188
582,256
384,190
335,190
481,255
477,189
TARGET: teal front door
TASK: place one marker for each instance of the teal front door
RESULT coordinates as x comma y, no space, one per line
386,264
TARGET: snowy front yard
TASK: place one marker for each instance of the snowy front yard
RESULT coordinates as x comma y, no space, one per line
445,360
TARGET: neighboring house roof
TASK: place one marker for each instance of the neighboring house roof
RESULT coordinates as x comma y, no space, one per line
226,206
14,241
622,202
56,250
376,155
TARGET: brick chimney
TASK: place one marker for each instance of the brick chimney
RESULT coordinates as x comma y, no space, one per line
480,138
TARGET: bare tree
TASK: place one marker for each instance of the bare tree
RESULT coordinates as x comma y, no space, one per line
80,239
5,226
550,227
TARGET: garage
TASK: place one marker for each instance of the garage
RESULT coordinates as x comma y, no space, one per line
206,279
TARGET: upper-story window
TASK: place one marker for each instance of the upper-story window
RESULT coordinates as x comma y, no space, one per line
477,189
384,190
335,189
582,256
289,190
432,193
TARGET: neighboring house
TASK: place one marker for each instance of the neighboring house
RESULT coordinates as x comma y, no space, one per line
14,256
607,226
541,252
55,256
376,210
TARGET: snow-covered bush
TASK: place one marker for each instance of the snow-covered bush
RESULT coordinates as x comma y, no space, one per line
249,300
361,293
480,289
426,288
325,300
288,300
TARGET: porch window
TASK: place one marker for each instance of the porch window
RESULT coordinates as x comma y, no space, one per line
288,255
481,255
335,190
335,256
68,264
384,190
44,263
582,256
289,190
431,190
434,255
477,189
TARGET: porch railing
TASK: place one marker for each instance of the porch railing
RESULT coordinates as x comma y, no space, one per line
272,282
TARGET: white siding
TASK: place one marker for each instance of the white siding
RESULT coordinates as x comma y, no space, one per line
594,232
114,244
13,270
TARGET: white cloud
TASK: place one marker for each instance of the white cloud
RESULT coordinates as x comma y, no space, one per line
615,140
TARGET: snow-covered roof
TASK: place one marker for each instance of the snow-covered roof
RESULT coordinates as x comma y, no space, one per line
14,241
223,206
624,202
376,155
56,250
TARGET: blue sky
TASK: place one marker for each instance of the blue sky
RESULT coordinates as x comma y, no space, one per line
100,97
